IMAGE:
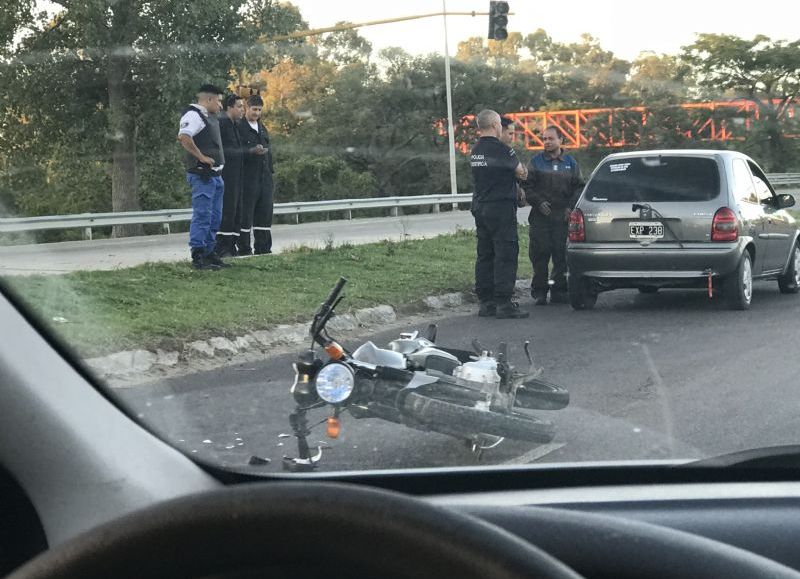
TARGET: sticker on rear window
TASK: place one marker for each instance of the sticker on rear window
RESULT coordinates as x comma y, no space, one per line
616,168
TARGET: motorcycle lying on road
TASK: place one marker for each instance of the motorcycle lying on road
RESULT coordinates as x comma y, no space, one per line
474,396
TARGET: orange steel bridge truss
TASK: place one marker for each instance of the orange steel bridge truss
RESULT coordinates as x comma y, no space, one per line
621,127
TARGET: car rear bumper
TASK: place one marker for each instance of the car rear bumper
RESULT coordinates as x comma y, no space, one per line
626,263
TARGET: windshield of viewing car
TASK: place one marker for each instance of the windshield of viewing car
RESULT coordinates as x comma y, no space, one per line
655,179
182,185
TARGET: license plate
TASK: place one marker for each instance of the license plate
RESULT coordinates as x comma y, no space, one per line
647,230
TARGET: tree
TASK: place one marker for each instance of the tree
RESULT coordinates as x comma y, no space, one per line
109,78
658,80
763,70
492,51
580,74
343,47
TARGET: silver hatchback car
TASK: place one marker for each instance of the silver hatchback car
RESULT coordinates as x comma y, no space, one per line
681,218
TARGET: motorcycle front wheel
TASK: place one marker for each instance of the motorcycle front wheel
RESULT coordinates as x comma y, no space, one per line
448,416
541,395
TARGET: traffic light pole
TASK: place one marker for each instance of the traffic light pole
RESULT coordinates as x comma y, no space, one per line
351,26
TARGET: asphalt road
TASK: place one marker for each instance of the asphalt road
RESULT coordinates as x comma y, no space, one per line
671,375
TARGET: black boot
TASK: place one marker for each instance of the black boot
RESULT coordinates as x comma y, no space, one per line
539,296
214,259
263,242
243,247
199,260
225,246
487,309
510,311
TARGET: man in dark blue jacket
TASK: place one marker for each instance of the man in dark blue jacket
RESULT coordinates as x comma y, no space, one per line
552,189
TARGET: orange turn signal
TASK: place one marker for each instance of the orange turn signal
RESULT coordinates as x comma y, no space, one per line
334,351
334,427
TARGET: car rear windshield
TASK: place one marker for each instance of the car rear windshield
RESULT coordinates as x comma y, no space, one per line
658,178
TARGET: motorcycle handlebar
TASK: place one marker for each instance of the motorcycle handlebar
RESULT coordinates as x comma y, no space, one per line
325,310
335,292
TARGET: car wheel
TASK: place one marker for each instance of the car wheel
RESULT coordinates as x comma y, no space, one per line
789,282
648,289
582,296
738,286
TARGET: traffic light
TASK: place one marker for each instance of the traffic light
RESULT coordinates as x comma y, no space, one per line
498,20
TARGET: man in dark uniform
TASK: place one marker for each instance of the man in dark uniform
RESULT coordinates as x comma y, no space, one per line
507,138
228,233
552,189
257,184
495,170
199,135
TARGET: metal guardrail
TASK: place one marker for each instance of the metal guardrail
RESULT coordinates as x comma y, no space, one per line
87,221
782,179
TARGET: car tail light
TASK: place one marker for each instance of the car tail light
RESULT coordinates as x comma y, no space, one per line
725,226
577,231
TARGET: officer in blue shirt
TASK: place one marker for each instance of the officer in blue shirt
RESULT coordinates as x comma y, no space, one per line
495,171
552,189
199,134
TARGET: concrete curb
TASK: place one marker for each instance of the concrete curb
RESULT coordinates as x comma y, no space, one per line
213,352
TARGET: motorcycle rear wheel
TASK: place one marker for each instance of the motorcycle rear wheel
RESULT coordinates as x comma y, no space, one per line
446,417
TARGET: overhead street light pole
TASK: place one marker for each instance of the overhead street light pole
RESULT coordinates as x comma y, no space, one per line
450,131
350,25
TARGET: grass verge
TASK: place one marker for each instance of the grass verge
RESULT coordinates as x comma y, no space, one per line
162,305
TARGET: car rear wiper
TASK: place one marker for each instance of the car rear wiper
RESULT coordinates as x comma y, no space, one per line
654,212
780,456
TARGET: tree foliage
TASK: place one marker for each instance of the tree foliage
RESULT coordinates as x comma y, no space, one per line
760,69
93,91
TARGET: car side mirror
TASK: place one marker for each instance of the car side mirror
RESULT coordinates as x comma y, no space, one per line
785,201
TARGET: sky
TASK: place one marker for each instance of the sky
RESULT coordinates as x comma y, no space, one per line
626,27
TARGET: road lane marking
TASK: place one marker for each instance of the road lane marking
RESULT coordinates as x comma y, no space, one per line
535,454
666,409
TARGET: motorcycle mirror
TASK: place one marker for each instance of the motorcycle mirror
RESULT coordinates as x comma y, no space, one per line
478,347
502,349
430,333
527,348
502,353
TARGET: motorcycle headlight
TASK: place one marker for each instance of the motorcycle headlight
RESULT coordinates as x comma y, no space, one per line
335,383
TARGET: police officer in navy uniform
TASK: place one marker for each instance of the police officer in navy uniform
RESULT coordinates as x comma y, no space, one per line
199,134
552,189
232,174
495,171
509,126
257,185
